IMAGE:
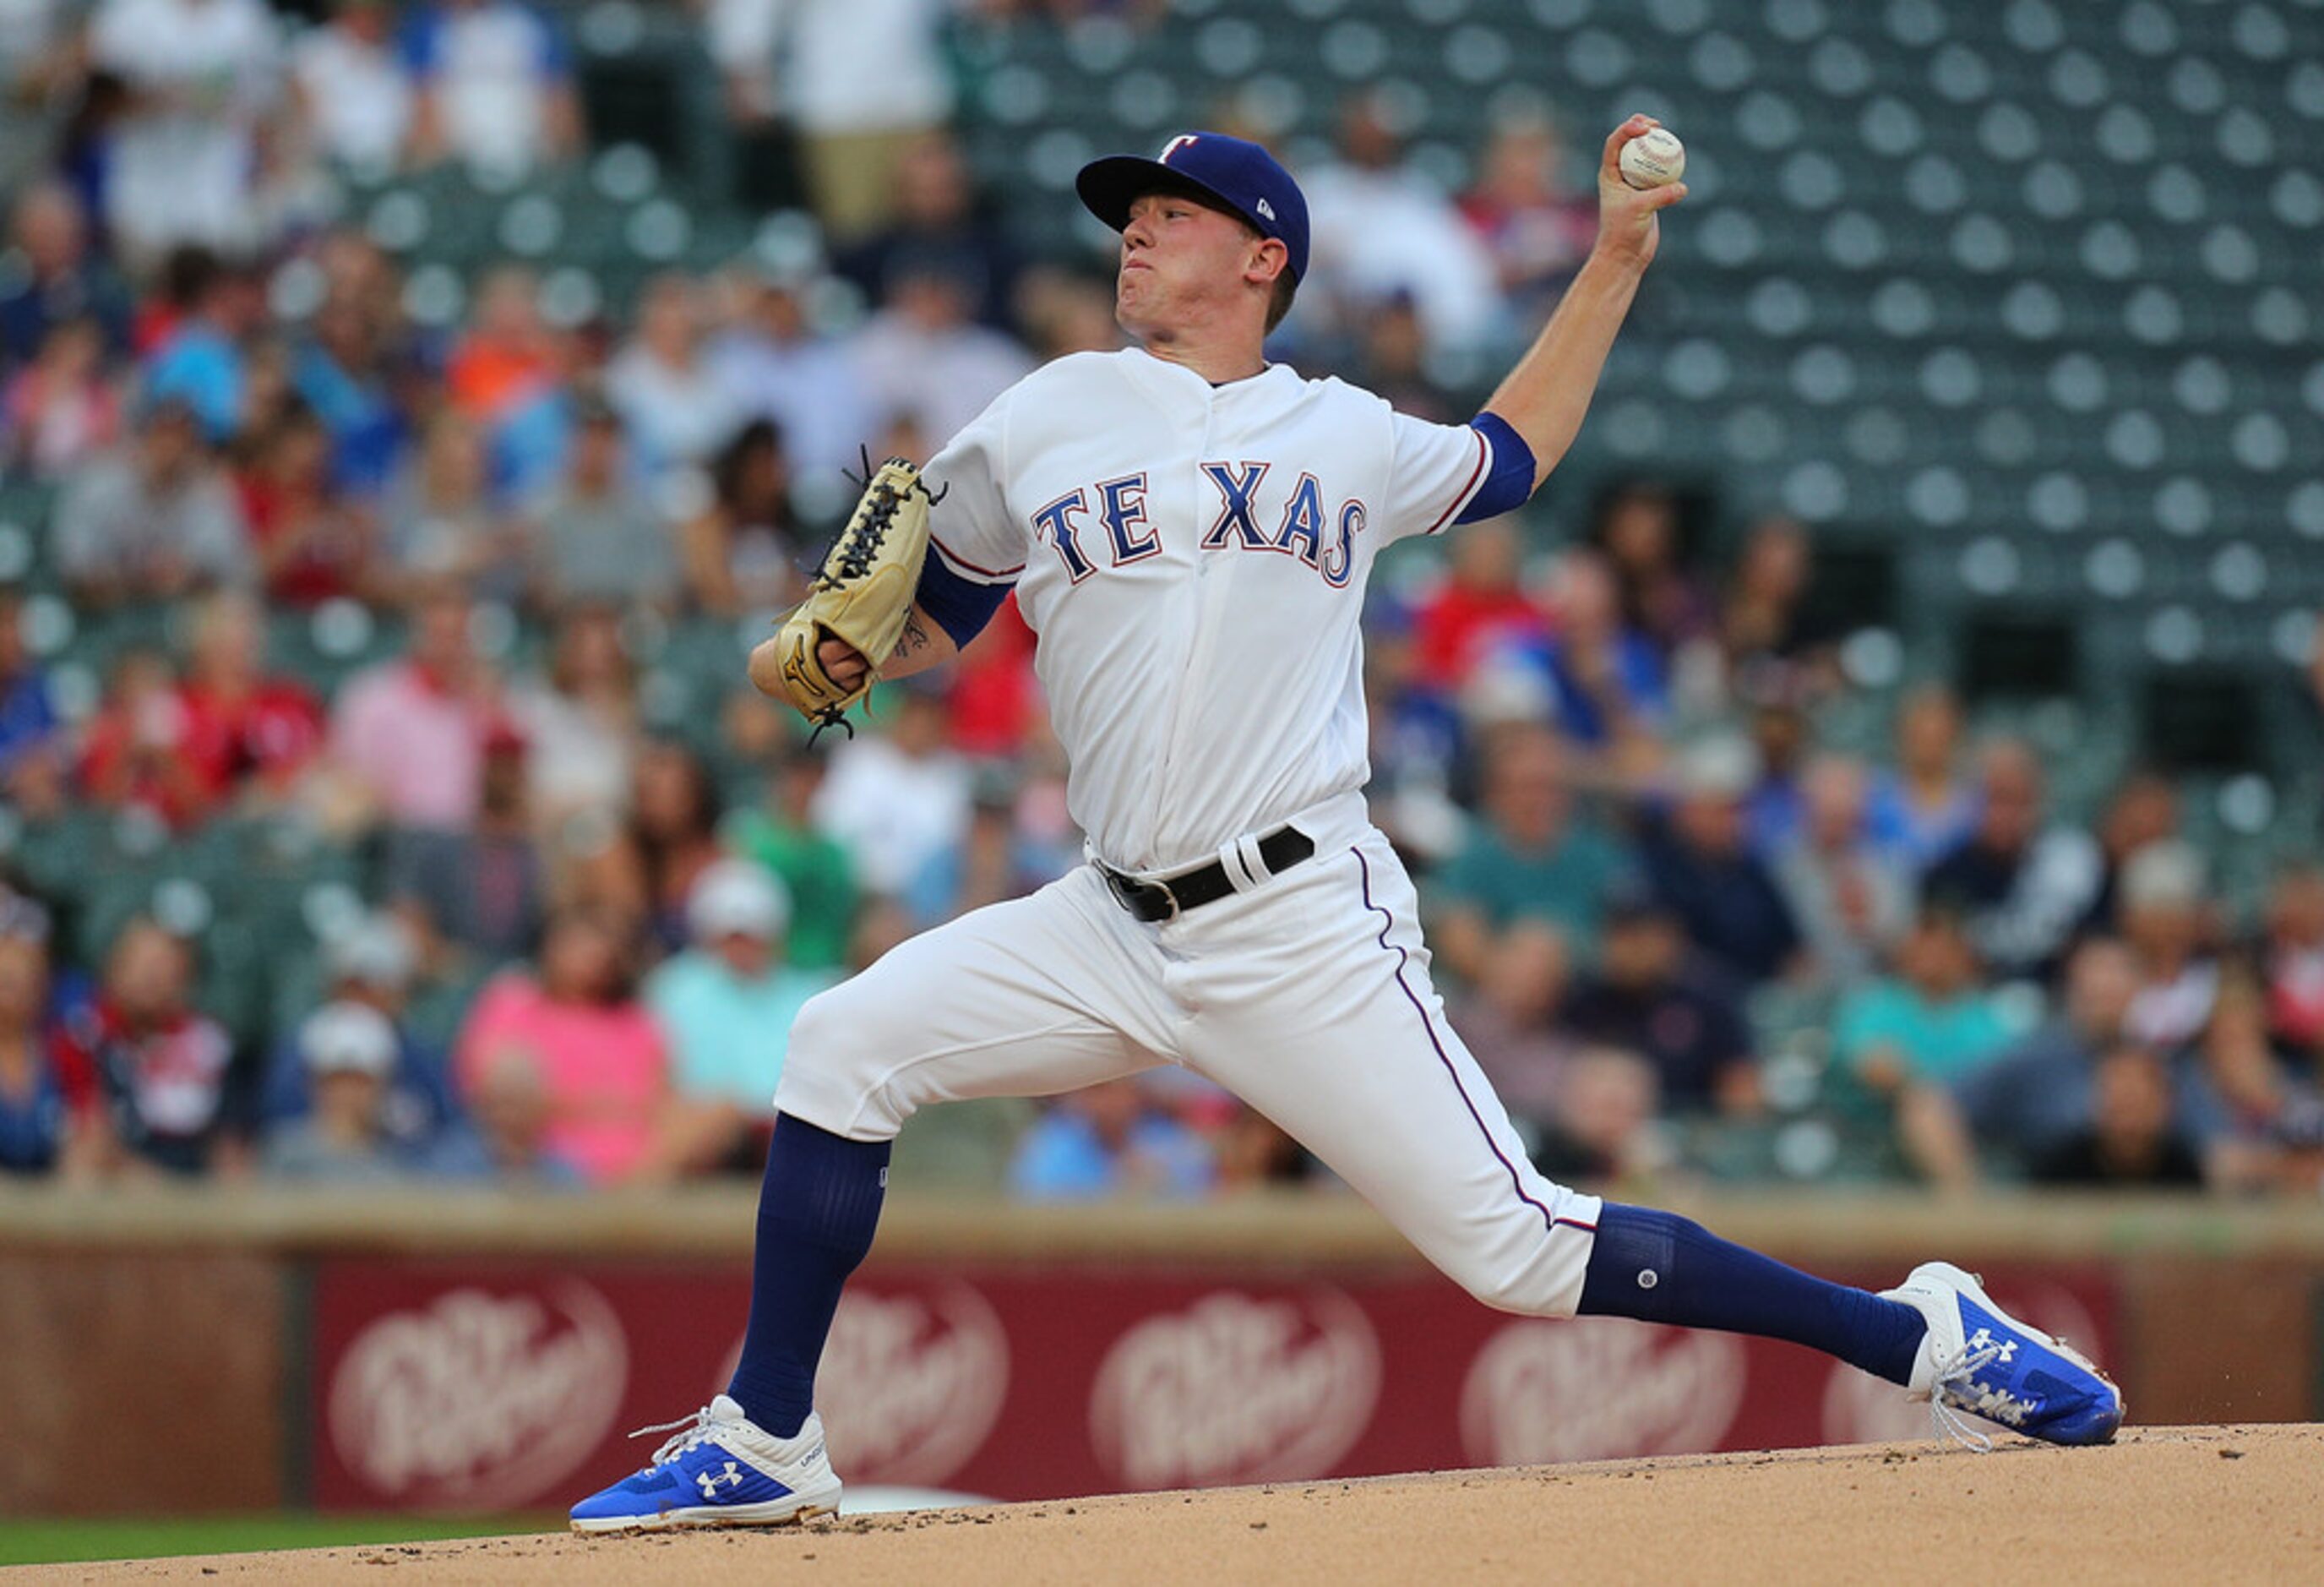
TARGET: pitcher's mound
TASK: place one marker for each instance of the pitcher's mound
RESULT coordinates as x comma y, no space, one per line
2165,1504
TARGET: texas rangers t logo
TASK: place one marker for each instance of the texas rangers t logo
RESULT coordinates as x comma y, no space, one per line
1174,145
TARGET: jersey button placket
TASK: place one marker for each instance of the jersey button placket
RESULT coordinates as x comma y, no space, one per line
1185,678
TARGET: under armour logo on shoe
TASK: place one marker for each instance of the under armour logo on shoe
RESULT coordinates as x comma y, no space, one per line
2004,1349
708,1481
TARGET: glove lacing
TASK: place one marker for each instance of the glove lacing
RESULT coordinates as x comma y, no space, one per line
862,537
860,541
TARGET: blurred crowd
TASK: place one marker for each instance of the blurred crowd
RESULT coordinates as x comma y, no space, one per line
1680,934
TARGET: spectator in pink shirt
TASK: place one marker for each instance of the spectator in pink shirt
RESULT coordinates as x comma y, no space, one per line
59,412
413,731
599,1054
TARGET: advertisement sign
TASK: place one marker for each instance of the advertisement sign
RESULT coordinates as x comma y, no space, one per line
452,1386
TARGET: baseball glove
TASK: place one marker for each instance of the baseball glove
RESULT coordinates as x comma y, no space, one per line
861,595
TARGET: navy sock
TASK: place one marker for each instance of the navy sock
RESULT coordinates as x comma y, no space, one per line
1660,1268
817,1209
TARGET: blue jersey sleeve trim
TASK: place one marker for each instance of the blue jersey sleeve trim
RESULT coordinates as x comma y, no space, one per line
961,606
1508,483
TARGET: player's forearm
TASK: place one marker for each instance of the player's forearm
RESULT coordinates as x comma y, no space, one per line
923,645
1544,397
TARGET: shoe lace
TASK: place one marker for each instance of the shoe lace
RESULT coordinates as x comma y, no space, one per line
684,1434
1958,1376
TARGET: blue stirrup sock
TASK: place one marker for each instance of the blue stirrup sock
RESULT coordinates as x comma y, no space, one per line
818,1208
1659,1267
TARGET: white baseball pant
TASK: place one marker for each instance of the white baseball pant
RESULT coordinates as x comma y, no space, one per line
1307,995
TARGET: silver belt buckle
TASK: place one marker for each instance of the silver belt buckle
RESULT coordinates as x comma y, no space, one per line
1167,893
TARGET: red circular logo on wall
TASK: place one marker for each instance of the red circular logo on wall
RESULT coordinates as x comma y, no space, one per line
911,1385
1597,1389
1237,1389
479,1400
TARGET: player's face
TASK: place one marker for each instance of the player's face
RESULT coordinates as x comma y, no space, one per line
1182,262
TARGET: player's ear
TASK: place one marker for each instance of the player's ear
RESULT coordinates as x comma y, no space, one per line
1269,259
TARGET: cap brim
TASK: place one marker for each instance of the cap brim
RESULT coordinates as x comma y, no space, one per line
1108,188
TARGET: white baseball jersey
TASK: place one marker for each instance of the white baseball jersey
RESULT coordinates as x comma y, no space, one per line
1194,559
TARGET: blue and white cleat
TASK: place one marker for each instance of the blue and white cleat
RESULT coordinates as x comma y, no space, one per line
721,1469
1978,1358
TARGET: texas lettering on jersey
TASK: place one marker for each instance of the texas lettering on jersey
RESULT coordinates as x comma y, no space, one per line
1164,537
1304,527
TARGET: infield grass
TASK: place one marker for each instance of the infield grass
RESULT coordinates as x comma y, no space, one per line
34,1542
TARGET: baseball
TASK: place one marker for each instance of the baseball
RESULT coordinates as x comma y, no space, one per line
1654,159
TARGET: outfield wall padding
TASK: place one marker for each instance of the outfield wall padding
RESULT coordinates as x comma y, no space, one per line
219,1350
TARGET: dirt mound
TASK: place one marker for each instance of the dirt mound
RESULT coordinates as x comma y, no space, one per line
2208,1504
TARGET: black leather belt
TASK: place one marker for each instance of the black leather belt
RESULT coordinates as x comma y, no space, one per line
1165,898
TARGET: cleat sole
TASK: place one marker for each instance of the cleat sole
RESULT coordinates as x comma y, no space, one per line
704,1519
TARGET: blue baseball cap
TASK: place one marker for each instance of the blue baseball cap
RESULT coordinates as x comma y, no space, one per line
1231,172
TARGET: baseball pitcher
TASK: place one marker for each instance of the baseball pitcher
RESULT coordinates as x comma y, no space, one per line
1189,529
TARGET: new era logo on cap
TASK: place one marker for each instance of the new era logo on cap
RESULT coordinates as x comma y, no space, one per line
1237,174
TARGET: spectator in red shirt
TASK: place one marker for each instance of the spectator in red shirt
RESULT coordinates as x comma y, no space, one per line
134,756
311,544
1480,605
994,695
243,729
149,1078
